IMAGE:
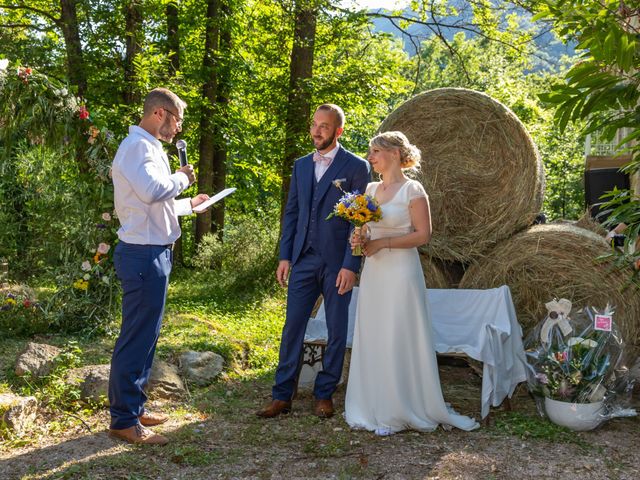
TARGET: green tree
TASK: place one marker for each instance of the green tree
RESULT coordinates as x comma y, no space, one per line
603,88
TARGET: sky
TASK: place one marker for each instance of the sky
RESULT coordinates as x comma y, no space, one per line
389,4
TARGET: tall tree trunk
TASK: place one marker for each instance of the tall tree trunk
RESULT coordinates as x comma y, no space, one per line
76,70
207,145
299,105
222,100
133,25
173,52
173,37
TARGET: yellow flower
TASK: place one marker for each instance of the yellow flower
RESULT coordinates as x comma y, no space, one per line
81,284
10,301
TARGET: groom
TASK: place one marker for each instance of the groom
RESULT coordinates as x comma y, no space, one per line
318,253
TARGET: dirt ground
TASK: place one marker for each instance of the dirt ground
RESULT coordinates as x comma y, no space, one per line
215,434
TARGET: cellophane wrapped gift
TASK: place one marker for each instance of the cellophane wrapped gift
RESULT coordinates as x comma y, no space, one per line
576,360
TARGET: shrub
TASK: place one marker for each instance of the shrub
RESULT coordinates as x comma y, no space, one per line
247,252
20,312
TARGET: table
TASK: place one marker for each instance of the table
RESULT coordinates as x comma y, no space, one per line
479,323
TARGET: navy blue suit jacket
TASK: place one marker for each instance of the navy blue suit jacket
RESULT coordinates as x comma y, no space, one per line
332,237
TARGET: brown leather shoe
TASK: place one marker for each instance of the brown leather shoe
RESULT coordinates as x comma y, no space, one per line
138,434
149,419
275,408
324,408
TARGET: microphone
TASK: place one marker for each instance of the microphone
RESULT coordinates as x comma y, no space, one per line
181,145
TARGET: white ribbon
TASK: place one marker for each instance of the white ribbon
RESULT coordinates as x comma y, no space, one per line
558,315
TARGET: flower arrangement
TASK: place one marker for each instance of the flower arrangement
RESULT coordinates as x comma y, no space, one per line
356,208
574,360
87,298
100,271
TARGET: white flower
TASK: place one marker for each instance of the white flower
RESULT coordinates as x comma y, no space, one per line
106,217
582,341
86,266
4,63
106,279
86,276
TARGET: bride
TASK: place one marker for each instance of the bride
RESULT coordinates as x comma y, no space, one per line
393,382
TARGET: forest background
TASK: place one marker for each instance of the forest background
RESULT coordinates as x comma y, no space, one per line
75,73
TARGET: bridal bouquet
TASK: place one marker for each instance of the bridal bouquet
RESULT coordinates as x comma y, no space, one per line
358,209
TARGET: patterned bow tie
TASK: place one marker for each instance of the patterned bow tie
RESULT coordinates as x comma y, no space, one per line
321,159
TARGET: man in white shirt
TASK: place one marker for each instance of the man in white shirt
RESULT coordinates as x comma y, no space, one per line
145,194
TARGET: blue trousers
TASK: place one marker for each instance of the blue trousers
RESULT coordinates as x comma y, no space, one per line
309,278
143,271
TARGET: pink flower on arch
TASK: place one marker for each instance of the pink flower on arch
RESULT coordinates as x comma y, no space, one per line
83,113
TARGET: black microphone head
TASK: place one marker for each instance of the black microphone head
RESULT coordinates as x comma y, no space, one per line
181,145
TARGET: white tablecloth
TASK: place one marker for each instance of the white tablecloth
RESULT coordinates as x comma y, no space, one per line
479,323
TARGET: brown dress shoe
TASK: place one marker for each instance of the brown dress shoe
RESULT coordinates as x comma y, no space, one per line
275,408
138,434
148,419
324,408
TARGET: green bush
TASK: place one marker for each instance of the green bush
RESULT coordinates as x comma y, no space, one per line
20,313
247,252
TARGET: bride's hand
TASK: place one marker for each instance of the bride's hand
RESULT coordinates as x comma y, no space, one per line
371,247
356,239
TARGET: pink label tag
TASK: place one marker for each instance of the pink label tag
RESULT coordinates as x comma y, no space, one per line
603,322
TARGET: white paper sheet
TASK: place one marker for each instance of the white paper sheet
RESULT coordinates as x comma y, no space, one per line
217,197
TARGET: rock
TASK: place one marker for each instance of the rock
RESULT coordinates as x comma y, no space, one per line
164,381
201,367
37,359
93,381
18,412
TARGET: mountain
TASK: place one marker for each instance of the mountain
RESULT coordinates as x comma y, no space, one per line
551,49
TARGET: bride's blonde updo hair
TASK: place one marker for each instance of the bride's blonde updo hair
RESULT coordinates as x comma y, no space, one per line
410,155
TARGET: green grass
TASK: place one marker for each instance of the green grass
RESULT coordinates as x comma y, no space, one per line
533,426
241,324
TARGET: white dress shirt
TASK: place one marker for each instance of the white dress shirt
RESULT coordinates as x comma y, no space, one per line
145,191
319,168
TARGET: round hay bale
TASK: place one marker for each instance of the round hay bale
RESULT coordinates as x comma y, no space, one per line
558,261
434,276
480,168
587,222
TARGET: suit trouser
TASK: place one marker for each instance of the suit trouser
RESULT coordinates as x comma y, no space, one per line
143,271
309,278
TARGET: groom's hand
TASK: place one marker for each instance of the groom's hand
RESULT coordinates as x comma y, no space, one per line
345,281
282,273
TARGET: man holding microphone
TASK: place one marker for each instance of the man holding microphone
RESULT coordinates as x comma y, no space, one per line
145,194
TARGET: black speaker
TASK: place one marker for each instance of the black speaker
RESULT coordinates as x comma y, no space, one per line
599,181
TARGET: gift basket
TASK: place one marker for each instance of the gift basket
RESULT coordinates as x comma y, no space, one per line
576,366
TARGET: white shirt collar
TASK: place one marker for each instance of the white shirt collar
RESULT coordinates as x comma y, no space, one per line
333,152
145,134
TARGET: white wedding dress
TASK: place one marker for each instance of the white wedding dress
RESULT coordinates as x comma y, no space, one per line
393,381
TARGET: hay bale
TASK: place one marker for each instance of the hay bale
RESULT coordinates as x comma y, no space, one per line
434,276
587,222
547,261
480,168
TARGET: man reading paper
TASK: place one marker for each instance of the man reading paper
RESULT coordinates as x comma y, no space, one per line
145,194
